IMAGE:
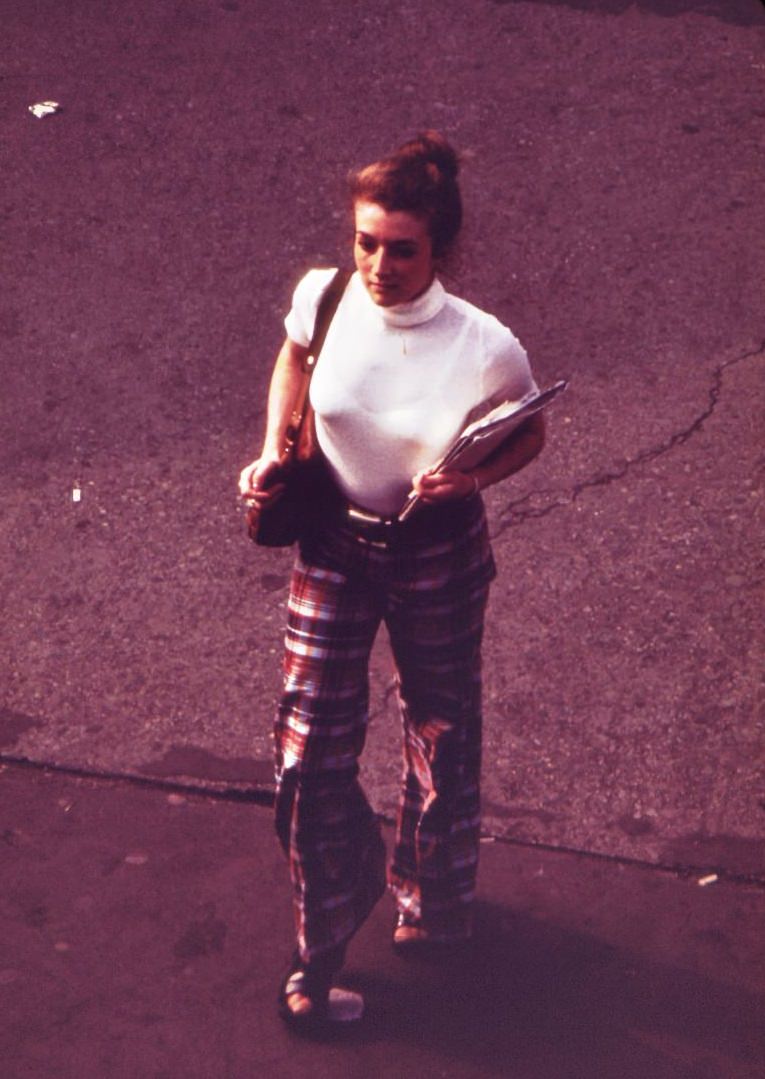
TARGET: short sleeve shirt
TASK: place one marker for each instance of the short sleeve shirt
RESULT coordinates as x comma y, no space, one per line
394,384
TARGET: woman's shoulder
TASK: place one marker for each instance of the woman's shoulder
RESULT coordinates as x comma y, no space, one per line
494,333
312,284
305,301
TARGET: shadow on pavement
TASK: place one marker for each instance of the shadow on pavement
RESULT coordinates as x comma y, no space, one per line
547,1001
737,12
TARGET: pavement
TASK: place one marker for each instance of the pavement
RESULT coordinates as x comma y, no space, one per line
153,229
145,931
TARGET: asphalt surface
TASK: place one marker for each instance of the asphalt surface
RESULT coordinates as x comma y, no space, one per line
152,232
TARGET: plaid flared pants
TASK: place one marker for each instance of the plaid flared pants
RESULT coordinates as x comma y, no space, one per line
430,586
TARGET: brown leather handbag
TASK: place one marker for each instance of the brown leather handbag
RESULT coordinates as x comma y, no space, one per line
291,512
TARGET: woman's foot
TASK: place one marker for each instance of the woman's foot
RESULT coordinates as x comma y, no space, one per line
303,1000
410,938
304,993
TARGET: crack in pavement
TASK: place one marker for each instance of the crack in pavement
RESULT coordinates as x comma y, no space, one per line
514,513
264,797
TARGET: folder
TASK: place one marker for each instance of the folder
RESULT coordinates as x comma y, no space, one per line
482,436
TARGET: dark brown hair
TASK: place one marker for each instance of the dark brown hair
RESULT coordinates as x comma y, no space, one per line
421,178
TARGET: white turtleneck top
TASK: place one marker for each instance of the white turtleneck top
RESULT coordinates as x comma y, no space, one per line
394,384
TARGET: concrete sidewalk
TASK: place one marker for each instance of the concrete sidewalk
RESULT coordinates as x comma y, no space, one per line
145,932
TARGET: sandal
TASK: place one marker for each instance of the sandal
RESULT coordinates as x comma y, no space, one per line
409,937
312,981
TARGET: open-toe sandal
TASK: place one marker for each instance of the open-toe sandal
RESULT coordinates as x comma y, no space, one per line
312,981
410,938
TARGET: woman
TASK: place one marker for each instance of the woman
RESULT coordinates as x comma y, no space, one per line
403,363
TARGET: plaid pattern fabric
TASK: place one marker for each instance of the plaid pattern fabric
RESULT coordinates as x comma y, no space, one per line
432,594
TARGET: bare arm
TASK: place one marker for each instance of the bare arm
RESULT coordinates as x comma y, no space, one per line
521,448
282,393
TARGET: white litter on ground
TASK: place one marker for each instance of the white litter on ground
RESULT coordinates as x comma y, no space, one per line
44,108
704,881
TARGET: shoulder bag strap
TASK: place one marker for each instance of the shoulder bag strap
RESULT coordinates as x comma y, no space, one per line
325,312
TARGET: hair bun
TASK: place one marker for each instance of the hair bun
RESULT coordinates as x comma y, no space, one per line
421,178
434,149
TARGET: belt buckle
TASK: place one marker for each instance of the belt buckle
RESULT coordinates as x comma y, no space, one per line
365,518
372,521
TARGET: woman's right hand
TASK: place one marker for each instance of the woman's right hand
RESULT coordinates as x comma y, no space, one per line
256,484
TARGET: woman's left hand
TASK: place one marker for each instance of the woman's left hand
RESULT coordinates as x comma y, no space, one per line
444,486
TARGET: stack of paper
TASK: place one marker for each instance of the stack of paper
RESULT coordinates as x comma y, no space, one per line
478,440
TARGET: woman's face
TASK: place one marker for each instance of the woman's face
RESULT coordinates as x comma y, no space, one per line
393,253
